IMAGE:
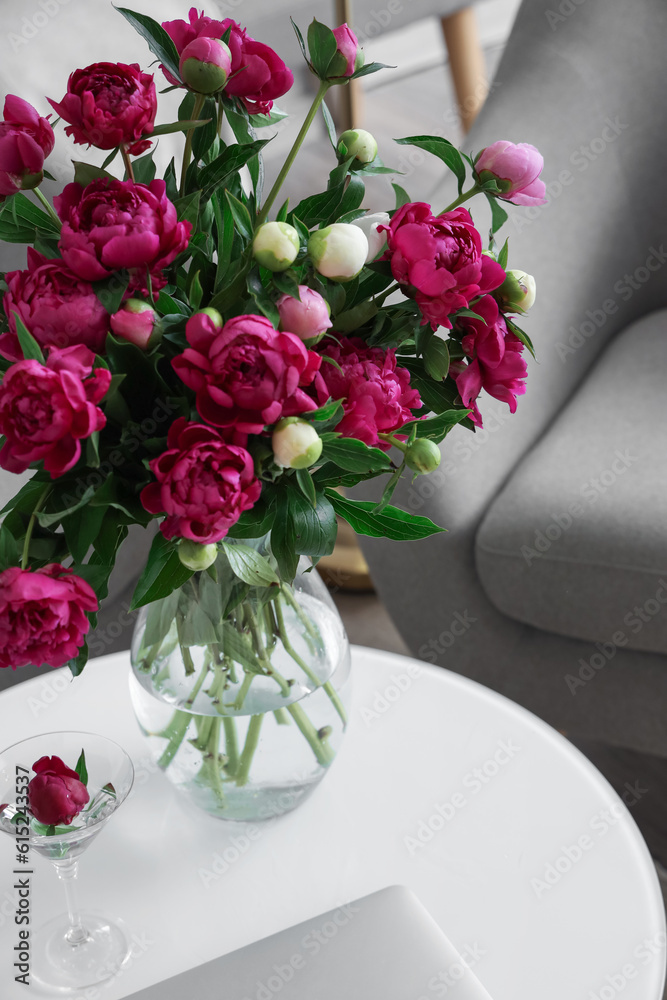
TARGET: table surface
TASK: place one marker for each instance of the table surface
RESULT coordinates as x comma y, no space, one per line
518,847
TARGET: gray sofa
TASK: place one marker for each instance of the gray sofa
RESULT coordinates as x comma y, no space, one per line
556,551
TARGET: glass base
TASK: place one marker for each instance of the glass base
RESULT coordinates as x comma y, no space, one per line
64,966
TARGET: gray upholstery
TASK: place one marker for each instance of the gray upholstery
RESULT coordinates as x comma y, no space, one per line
576,541
587,90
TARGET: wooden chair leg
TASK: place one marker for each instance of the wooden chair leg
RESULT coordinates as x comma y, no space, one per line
350,96
467,63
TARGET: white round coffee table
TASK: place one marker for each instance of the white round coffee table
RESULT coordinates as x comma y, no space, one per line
521,851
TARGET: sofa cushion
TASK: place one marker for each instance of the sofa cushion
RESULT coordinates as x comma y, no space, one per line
576,542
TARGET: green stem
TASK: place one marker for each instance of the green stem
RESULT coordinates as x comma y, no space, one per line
213,755
187,152
221,115
31,526
461,198
282,718
249,747
47,205
127,161
177,728
231,745
320,747
237,704
390,439
291,156
188,662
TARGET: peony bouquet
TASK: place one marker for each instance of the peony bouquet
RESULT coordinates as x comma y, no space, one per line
191,351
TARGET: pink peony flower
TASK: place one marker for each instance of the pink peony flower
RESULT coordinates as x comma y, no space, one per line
135,323
259,75
57,308
349,56
108,105
517,170
205,65
376,393
56,794
25,142
306,317
440,259
203,483
43,615
496,363
246,374
47,410
110,225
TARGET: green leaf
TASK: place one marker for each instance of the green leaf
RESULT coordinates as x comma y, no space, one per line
286,283
227,164
239,649
163,573
254,523
283,538
184,126
27,497
436,358
352,319
264,302
392,523
196,292
263,121
369,68
330,126
436,396
315,526
241,216
86,173
9,549
144,169
498,214
353,197
353,455
110,291
249,566
402,196
436,428
297,32
46,520
31,349
521,334
327,416
159,42
18,214
81,768
504,253
322,47
441,148
319,207
81,531
389,489
306,485
187,208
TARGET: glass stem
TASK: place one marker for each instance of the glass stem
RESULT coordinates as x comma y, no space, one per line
67,872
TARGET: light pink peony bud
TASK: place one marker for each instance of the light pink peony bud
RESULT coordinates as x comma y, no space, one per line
135,322
205,65
516,168
307,318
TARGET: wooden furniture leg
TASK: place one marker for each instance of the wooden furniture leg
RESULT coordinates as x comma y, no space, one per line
467,63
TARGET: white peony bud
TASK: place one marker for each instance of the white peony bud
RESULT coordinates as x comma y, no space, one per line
359,143
517,292
276,245
368,224
296,444
339,251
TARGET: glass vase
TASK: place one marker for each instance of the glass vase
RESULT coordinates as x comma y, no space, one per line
242,690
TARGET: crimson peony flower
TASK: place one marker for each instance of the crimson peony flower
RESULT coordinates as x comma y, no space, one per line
376,393
42,615
246,374
496,363
56,794
57,308
108,105
46,410
440,260
517,170
203,483
349,56
258,74
25,142
110,225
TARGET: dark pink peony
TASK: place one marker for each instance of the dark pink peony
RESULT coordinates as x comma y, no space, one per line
25,142
376,392
349,56
108,105
56,794
43,615
135,322
203,483
517,169
111,225
495,365
246,374
259,75
57,308
440,260
47,410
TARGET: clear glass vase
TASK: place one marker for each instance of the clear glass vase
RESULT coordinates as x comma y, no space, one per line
242,691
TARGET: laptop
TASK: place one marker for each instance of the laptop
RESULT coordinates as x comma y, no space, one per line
382,947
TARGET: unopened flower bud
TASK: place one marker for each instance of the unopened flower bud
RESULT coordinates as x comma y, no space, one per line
349,55
214,315
196,556
517,292
307,317
296,444
276,245
205,65
377,239
338,251
358,143
135,322
423,456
